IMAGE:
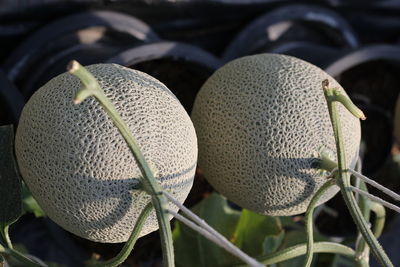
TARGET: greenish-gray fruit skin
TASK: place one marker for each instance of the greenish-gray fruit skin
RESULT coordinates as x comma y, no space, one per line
80,169
261,121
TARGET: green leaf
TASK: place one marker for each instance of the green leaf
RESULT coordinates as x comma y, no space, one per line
255,234
340,261
258,234
297,237
20,248
2,261
272,243
289,223
293,238
29,204
191,249
10,184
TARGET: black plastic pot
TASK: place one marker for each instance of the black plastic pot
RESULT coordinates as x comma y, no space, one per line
363,55
89,37
372,72
12,30
292,23
319,55
181,67
11,101
370,77
56,245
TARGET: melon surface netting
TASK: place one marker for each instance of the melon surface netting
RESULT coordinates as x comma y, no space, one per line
260,122
78,166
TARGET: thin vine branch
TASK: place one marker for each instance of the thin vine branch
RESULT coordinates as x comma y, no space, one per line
374,198
357,182
204,227
380,217
202,223
299,250
7,249
22,258
5,236
364,204
92,88
128,246
225,245
346,102
344,180
371,182
362,249
309,220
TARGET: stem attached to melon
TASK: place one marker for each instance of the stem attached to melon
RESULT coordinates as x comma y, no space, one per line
4,234
309,220
344,182
325,163
126,250
149,184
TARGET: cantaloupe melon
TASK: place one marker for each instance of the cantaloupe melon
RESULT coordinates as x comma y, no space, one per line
260,122
78,166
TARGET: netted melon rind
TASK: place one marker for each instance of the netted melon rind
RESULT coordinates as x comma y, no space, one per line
80,169
260,121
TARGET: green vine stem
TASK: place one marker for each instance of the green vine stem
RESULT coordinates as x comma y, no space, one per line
374,198
371,182
125,251
6,237
344,179
309,220
325,162
92,88
22,258
7,249
201,226
380,217
345,101
299,250
362,249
